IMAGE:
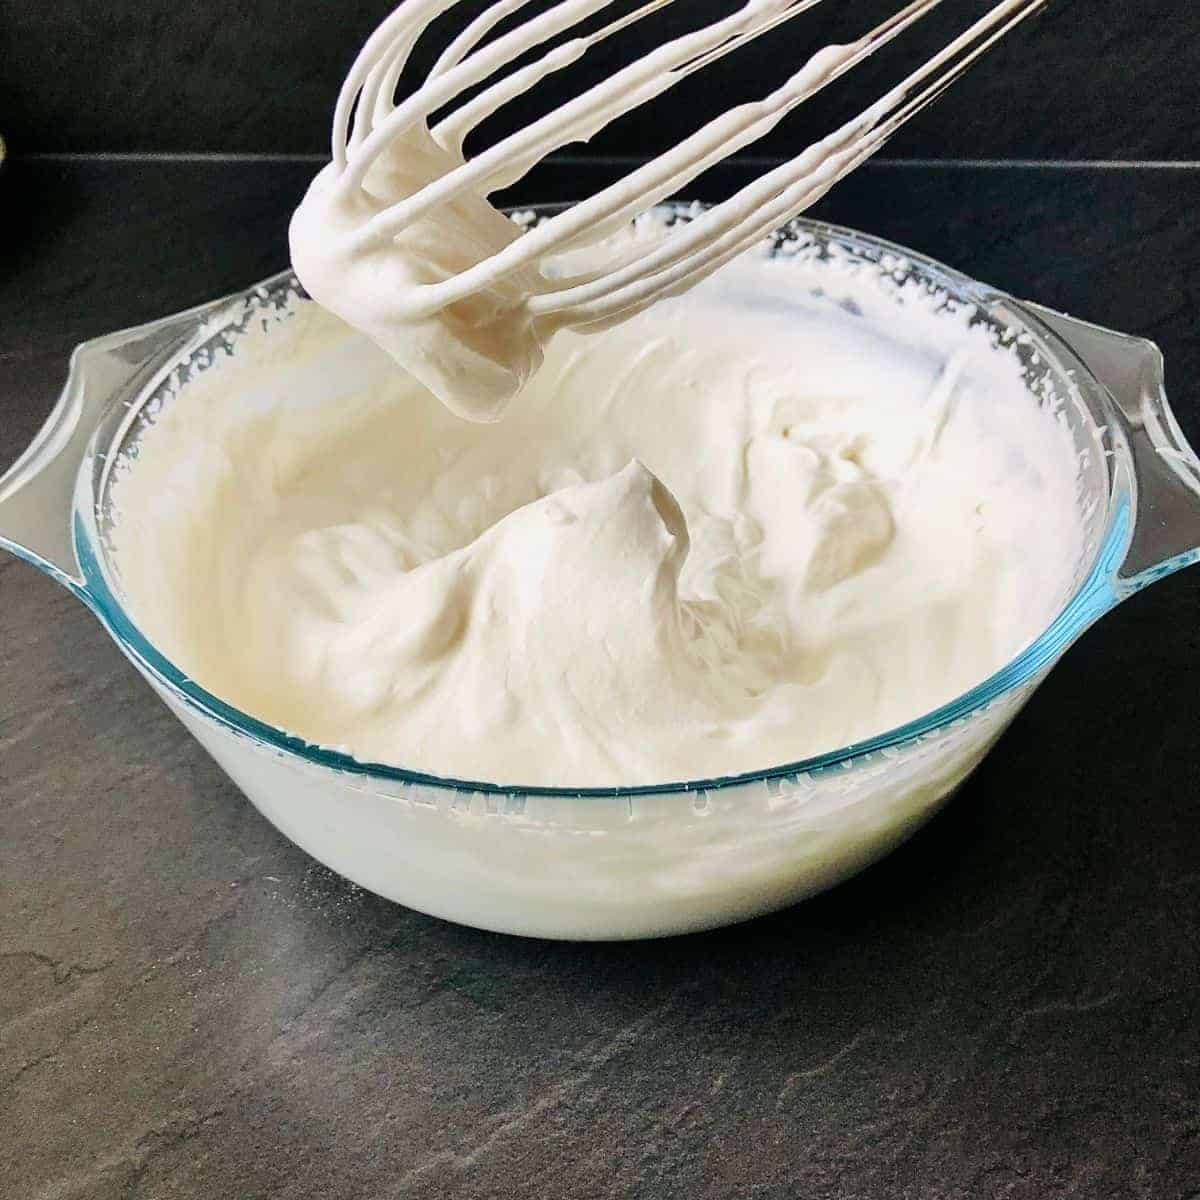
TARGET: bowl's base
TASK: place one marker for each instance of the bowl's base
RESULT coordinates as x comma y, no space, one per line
586,869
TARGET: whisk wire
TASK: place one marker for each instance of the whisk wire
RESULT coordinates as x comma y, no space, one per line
853,144
395,39
776,197
511,158
625,284
451,132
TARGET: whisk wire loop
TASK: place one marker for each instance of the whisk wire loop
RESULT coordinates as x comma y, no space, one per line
368,121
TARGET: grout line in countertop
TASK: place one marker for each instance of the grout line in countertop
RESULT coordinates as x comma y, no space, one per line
1057,164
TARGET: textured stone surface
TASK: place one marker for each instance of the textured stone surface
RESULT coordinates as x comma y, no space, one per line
190,1007
1089,79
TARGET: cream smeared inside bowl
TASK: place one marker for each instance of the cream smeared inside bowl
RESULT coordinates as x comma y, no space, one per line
786,511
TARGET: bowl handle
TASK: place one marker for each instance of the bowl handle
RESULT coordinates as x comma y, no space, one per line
1166,535
42,490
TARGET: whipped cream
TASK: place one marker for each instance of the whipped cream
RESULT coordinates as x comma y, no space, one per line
791,509
476,353
398,237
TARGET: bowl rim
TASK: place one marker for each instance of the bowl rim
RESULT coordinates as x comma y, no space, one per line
1092,597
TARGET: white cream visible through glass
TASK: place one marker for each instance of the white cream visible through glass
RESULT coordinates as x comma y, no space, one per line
750,525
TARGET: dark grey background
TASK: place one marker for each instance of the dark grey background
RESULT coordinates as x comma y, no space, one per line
1089,79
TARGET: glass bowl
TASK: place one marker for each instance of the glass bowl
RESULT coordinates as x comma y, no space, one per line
607,863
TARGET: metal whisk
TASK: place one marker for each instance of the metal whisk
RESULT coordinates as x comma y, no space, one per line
371,131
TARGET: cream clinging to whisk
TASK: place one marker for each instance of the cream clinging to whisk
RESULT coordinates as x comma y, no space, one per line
398,237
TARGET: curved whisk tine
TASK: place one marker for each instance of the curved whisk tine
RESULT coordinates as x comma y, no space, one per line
375,98
474,69
854,142
664,175
780,195
473,34
583,117
395,37
728,134
630,279
453,130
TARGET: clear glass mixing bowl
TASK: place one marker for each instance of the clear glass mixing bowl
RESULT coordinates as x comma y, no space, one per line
629,862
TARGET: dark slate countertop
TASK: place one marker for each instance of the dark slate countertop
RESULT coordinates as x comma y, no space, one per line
191,1007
